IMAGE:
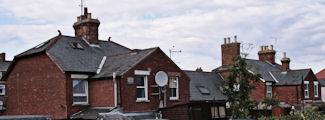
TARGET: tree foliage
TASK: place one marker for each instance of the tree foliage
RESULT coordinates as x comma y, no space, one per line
237,88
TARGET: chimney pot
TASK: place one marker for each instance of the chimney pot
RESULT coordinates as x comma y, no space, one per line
228,39
89,15
271,47
225,40
78,19
261,48
85,11
235,37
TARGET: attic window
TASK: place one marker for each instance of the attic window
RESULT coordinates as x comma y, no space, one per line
203,90
76,45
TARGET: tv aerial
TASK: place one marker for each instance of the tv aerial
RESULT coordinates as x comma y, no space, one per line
161,79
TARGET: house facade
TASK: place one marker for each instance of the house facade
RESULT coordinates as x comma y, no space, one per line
78,77
291,87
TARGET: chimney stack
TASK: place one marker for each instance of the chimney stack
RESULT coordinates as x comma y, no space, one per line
228,51
285,62
2,57
86,27
199,69
267,54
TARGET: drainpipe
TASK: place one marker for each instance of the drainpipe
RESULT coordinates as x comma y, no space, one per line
115,90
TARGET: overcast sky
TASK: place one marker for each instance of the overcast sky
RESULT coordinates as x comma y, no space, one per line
196,27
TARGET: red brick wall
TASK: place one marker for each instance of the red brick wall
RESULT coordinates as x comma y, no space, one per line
278,111
288,94
179,112
36,86
228,51
259,92
87,30
311,78
101,93
157,61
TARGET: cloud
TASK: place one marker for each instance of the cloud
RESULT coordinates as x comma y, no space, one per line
196,27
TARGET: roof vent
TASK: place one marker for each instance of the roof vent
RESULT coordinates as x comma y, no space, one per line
203,90
76,45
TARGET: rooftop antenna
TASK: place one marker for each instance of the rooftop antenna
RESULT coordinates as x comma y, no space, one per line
171,51
81,5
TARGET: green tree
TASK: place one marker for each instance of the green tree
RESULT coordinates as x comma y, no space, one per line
237,88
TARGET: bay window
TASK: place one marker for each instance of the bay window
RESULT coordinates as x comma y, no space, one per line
316,89
306,91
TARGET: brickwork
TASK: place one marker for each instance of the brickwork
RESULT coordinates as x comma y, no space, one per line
288,94
228,51
259,92
157,61
87,27
36,86
179,112
101,93
2,57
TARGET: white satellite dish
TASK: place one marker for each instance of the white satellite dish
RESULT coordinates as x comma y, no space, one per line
161,78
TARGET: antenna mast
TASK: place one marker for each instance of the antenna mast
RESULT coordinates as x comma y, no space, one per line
171,51
81,6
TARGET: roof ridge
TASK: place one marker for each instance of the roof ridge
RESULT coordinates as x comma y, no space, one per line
124,53
118,44
198,71
52,43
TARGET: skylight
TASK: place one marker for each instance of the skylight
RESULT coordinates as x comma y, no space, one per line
203,90
76,45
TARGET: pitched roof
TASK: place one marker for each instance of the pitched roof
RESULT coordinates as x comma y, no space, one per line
321,74
4,66
207,80
85,59
291,77
121,63
263,68
322,82
69,58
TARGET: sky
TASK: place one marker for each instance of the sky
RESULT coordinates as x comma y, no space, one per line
194,27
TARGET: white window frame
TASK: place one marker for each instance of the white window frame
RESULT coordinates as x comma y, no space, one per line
1,74
177,89
306,89
316,88
268,92
145,89
3,87
81,94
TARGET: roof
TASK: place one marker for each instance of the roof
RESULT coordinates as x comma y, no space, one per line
4,66
263,68
68,58
291,77
121,63
322,82
208,80
321,74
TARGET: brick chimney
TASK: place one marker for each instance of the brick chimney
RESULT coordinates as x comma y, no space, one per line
199,69
267,54
87,27
229,50
2,57
285,62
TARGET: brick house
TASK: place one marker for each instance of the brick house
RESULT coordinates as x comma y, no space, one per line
321,78
4,64
291,87
79,77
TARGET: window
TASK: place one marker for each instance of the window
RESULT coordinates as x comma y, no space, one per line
306,83
80,92
142,89
218,112
316,89
0,75
2,90
173,88
269,90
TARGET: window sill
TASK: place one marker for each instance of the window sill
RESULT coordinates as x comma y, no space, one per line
173,99
142,101
80,104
